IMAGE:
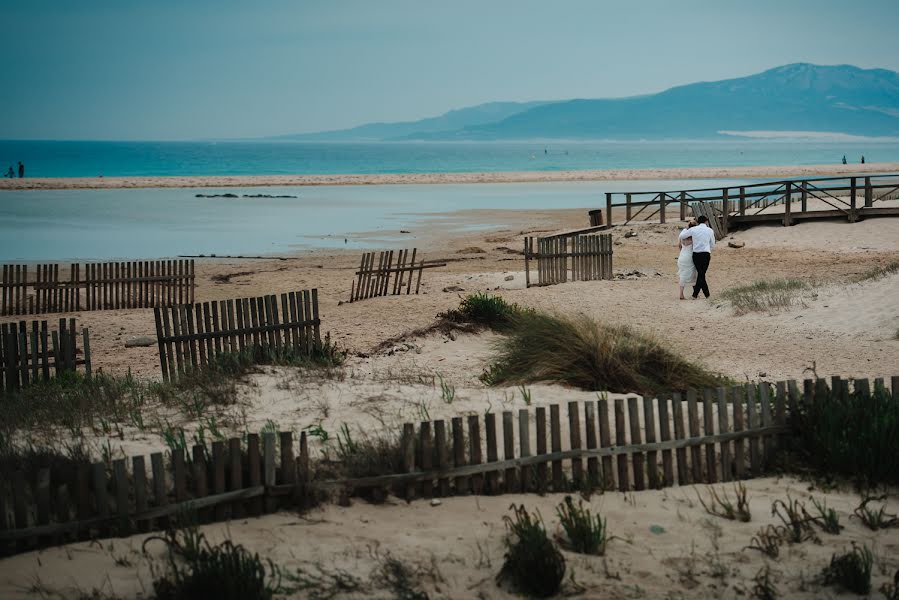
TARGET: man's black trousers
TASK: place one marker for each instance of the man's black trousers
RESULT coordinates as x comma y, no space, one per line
701,262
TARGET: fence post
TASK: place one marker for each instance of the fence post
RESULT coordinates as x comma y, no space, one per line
663,199
609,210
724,211
627,207
804,196
852,190
683,206
527,262
409,457
787,202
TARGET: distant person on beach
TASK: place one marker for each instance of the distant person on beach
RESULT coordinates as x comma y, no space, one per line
703,239
11,174
863,159
686,270
844,159
21,170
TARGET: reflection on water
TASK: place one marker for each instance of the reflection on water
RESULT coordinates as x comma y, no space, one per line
44,225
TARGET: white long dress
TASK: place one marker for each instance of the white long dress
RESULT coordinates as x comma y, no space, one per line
686,271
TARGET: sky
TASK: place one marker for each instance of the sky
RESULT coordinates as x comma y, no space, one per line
220,69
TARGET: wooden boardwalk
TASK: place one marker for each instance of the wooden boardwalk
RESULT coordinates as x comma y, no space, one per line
786,202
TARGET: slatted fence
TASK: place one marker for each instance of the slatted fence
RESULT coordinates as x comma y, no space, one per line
587,257
191,336
373,281
708,436
31,352
232,478
96,286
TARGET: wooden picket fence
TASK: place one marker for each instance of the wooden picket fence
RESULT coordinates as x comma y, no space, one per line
237,478
96,286
714,435
191,336
373,281
29,353
590,258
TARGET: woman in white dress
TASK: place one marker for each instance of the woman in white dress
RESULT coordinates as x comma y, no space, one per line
686,271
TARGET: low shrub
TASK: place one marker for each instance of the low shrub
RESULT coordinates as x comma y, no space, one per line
584,533
851,570
855,435
762,296
533,564
483,309
582,353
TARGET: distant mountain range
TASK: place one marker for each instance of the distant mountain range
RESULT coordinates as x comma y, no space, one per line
801,97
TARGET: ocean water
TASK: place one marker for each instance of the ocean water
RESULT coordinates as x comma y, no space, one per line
90,159
51,225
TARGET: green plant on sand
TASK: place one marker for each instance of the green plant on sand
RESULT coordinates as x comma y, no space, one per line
533,565
483,309
851,570
761,296
582,353
584,533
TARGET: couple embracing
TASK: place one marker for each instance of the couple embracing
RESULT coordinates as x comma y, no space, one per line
695,242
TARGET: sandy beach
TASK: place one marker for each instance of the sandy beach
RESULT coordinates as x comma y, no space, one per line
769,172
836,327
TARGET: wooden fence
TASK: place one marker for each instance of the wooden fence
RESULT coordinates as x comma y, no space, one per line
96,286
191,336
372,281
625,444
590,258
29,353
850,197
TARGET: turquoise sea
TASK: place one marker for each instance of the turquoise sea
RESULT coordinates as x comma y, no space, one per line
90,159
45,225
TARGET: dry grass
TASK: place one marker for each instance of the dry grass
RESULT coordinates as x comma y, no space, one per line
879,272
582,353
764,296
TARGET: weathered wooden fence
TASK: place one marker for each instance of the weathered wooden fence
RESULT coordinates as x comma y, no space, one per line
372,281
590,258
624,444
191,336
96,286
29,353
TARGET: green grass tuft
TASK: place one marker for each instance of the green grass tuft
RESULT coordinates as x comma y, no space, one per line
582,353
533,565
763,296
851,570
584,533
483,309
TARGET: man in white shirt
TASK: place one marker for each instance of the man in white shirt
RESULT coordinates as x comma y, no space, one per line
703,242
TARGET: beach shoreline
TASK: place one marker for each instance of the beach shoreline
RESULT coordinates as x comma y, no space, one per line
246,181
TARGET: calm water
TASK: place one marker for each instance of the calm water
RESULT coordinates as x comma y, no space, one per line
90,159
153,223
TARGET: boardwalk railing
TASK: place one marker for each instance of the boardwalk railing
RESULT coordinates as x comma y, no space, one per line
96,286
625,444
31,352
191,336
851,197
587,257
373,281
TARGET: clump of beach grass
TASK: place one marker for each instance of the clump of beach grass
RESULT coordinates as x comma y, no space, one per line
764,296
534,566
582,353
584,533
851,570
485,310
878,272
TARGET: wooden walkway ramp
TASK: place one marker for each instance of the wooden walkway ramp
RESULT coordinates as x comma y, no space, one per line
786,202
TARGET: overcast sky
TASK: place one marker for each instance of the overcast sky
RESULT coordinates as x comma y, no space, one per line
193,69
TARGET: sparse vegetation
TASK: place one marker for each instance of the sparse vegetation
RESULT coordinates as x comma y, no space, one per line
198,569
584,533
725,507
533,563
851,570
767,541
764,588
796,521
879,272
585,354
875,519
762,296
850,435
827,518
